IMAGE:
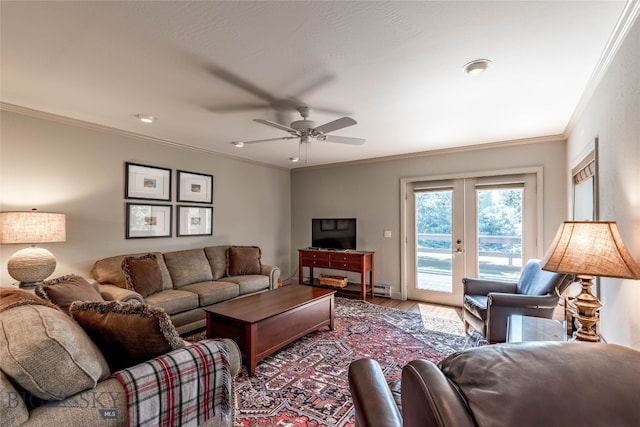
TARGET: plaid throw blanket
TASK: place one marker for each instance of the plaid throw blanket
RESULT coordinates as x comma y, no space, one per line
182,388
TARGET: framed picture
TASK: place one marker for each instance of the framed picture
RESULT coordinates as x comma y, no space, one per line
194,221
147,182
148,221
195,187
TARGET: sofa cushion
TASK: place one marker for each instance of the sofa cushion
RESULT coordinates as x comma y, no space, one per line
217,256
187,267
67,289
12,410
477,305
48,354
250,283
142,274
126,333
109,271
213,292
173,301
243,260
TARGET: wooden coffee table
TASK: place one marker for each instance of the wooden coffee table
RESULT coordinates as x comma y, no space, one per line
263,323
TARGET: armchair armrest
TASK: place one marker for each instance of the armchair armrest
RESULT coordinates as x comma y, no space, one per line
371,395
274,274
484,287
114,293
524,301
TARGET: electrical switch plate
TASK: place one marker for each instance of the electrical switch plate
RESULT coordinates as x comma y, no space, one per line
386,233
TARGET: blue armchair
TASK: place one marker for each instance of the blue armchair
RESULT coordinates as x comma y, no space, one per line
487,304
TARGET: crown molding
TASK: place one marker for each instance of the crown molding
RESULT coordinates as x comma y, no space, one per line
460,149
628,17
101,128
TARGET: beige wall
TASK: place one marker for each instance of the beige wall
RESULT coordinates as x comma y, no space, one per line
79,171
613,116
371,193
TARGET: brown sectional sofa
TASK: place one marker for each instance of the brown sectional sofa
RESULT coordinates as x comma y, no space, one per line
191,280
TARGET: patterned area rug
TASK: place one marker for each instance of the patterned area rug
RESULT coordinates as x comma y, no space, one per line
305,384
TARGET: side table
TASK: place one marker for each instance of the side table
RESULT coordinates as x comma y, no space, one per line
525,328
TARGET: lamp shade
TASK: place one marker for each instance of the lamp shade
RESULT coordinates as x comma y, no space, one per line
590,248
32,227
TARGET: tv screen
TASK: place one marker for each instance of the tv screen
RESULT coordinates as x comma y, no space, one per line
333,233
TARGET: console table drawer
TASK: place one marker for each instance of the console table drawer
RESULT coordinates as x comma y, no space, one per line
315,259
345,265
344,257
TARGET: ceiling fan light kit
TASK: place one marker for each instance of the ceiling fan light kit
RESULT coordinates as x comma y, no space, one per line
146,118
476,67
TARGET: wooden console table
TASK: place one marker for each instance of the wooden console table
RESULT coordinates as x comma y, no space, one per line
358,261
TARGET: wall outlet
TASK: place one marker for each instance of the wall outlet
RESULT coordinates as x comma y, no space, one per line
386,233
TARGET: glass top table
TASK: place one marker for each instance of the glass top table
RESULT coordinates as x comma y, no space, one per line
525,328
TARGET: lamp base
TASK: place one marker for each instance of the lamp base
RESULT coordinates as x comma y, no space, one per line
587,306
31,265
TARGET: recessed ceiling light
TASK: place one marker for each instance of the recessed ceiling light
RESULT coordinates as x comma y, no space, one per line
238,144
294,159
476,67
146,118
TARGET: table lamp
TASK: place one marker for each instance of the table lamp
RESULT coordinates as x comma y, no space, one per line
588,249
31,265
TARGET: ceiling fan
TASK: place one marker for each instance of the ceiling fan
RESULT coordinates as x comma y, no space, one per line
281,106
306,129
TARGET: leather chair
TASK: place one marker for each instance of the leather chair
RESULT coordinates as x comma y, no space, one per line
551,384
487,304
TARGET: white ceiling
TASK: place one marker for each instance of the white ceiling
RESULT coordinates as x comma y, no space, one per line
395,67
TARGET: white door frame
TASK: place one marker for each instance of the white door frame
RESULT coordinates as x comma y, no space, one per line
406,187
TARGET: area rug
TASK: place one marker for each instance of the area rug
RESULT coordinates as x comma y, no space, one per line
305,383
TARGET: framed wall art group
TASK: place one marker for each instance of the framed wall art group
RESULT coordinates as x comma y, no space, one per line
154,219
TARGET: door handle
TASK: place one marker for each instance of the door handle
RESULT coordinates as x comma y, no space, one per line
458,250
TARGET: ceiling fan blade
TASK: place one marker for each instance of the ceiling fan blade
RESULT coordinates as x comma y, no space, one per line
269,139
243,84
238,107
341,139
332,111
314,84
340,123
277,126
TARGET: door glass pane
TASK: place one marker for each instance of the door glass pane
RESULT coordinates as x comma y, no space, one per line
499,233
433,240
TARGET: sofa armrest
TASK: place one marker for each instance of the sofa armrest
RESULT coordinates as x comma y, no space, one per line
371,396
483,287
274,274
430,399
114,293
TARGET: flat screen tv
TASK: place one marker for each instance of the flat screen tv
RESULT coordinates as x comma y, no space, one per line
333,233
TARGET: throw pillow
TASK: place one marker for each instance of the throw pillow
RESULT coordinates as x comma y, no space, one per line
243,260
67,289
142,274
126,333
46,353
15,297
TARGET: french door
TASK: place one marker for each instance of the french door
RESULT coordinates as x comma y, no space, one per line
467,227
